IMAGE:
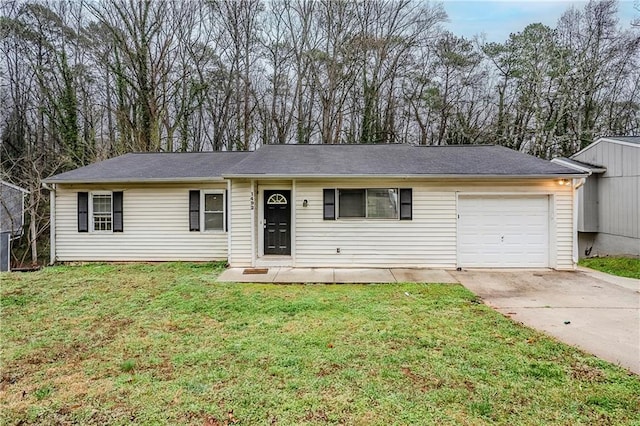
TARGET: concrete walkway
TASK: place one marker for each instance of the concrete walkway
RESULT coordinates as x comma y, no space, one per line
335,275
596,312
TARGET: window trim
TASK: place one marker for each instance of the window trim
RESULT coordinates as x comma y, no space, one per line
204,192
92,223
366,205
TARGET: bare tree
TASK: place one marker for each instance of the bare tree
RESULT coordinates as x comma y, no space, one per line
82,81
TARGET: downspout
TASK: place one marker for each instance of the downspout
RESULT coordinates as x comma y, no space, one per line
254,197
229,221
292,219
52,222
574,189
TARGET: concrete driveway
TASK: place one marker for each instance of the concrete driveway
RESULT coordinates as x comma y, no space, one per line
596,312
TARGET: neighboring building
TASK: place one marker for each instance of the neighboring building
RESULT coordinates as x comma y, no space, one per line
11,220
320,206
609,201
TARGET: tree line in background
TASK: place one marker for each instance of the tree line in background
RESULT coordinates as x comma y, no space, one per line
83,80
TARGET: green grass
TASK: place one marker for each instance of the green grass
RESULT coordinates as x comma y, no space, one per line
620,266
166,344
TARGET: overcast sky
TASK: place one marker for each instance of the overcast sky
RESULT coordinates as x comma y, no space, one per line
497,19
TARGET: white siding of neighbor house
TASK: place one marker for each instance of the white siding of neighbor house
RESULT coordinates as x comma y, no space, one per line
11,209
155,223
610,203
618,189
429,240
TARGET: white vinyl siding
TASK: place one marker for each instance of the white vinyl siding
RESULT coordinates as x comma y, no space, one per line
429,240
240,253
617,201
619,206
563,230
156,227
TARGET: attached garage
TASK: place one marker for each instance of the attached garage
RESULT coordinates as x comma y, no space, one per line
503,231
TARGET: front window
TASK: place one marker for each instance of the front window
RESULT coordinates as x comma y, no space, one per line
352,203
102,212
382,203
213,211
373,203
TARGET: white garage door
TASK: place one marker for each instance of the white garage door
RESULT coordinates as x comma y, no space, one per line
504,232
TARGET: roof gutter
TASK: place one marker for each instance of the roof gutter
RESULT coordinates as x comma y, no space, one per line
132,180
425,176
578,167
581,180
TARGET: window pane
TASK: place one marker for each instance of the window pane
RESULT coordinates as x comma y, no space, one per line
213,202
213,221
352,203
102,223
101,204
382,203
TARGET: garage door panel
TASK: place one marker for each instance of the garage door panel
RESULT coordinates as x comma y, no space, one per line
503,231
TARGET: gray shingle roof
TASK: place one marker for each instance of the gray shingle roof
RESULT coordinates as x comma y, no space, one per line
393,160
143,167
317,161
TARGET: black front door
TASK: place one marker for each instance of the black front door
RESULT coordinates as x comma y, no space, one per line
277,220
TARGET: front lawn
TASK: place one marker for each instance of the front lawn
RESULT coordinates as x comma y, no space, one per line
621,266
166,344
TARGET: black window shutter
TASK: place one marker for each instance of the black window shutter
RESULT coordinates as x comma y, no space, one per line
83,212
226,210
194,210
406,195
117,211
329,204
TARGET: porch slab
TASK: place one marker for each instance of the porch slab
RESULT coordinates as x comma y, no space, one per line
423,276
238,275
338,275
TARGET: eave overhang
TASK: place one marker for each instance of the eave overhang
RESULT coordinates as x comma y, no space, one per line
413,176
131,180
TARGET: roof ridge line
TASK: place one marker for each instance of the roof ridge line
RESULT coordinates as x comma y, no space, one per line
177,152
375,144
